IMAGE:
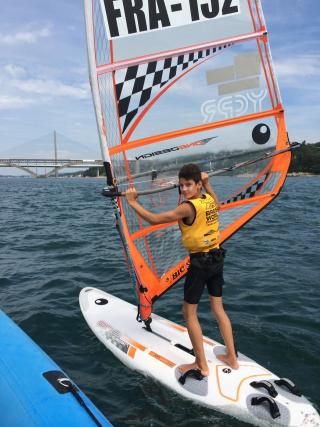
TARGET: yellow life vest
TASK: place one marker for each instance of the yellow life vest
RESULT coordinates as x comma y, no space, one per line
203,234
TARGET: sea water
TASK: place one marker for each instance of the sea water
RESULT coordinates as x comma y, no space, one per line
58,236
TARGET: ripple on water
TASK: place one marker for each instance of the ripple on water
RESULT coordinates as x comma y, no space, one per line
58,236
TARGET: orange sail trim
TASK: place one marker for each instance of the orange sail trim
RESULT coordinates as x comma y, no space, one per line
147,279
264,40
270,69
259,14
151,229
195,129
155,286
260,53
172,276
144,273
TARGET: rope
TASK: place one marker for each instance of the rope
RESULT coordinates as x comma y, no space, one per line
65,382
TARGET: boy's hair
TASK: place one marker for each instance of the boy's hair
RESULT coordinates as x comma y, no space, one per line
190,171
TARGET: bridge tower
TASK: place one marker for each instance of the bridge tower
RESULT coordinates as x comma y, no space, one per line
55,152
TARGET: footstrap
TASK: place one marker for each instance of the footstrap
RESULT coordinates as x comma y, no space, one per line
289,385
273,407
193,373
266,385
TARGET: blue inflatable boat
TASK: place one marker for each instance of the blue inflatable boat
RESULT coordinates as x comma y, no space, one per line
34,392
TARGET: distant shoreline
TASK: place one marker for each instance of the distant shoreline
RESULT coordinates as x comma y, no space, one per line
302,174
244,175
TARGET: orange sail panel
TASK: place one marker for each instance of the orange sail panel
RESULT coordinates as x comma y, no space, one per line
177,84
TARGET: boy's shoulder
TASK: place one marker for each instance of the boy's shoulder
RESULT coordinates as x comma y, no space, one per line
205,198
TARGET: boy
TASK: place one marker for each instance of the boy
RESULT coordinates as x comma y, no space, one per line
197,217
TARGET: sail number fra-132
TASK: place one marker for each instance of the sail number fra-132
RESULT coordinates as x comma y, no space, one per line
127,17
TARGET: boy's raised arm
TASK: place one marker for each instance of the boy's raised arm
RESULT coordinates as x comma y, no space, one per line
207,186
182,211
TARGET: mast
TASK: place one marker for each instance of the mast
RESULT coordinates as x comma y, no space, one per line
55,152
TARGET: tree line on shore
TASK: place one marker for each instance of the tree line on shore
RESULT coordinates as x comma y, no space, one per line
306,159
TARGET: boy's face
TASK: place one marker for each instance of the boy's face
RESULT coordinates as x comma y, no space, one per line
189,188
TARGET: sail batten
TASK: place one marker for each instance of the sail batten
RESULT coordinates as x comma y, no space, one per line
114,66
171,135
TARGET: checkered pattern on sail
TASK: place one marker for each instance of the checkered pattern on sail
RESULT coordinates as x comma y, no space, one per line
227,217
135,85
249,191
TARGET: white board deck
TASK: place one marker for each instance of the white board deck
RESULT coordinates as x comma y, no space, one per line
155,354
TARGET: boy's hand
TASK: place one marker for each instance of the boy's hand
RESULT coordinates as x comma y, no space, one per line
204,178
131,195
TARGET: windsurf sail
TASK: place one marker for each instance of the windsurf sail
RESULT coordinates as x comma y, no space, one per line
176,82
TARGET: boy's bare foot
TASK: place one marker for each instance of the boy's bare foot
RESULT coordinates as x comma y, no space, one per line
184,368
228,360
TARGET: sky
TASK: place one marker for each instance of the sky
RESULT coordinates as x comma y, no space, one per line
44,78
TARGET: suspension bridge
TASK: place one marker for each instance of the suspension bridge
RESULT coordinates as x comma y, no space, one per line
55,165
49,166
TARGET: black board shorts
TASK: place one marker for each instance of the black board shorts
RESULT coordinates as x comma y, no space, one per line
206,268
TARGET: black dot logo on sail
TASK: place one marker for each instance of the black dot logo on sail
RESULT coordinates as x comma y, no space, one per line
261,134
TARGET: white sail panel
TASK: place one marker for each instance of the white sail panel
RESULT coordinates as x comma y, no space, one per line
189,90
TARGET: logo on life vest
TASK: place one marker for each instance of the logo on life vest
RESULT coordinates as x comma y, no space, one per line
211,215
127,17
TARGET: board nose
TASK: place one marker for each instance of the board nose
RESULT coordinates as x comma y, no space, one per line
84,298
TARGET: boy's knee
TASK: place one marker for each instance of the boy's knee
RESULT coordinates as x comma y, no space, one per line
219,312
189,310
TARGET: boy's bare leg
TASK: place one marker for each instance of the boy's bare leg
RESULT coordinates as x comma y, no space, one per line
225,327
195,334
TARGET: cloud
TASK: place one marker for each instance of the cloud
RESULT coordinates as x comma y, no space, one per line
25,37
20,90
299,75
80,71
51,87
298,66
14,71
14,102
